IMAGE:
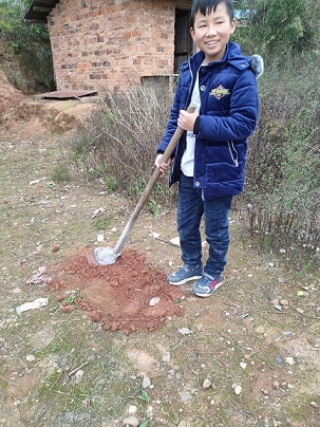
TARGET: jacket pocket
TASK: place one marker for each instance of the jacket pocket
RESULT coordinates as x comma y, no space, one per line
225,173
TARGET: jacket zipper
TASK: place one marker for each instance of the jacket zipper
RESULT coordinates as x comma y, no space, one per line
233,152
192,81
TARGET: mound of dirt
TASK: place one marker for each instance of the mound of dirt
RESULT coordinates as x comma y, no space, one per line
10,96
129,295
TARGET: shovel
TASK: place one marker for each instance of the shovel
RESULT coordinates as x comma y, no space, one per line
108,255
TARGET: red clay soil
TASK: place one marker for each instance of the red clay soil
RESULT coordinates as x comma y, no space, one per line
119,295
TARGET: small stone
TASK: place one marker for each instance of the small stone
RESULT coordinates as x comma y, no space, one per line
154,301
166,357
290,361
237,388
100,238
186,397
276,385
300,310
79,375
275,301
243,365
182,424
271,264
132,421
212,402
67,309
284,302
260,329
314,404
185,331
30,358
278,308
279,360
265,391
132,410
199,326
146,382
113,230
55,248
206,384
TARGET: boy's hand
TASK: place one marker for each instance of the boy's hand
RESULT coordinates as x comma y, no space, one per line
186,120
162,166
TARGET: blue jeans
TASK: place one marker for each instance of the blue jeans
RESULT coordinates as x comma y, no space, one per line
191,208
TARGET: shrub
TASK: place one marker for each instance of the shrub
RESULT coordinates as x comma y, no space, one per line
281,201
122,138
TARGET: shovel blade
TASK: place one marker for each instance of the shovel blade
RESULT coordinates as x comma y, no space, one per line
101,256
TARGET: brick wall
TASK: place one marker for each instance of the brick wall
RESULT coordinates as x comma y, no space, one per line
111,43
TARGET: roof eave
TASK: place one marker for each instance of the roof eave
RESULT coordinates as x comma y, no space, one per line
39,11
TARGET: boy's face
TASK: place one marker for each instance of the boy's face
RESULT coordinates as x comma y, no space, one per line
212,32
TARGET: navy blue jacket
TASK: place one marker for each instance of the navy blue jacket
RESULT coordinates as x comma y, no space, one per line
229,113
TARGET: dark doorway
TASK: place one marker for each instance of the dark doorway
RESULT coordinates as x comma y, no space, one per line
183,39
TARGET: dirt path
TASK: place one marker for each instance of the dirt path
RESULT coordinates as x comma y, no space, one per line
262,361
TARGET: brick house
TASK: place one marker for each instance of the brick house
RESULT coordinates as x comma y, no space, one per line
114,43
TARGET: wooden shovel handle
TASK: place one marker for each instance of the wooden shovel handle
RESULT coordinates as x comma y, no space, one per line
148,189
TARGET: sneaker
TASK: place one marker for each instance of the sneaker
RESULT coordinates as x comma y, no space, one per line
206,286
185,274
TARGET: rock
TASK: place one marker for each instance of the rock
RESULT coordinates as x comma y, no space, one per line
30,358
79,375
186,397
279,360
98,212
284,302
55,248
100,238
243,365
260,329
278,307
206,384
67,309
132,410
132,421
300,310
166,357
185,331
182,424
199,326
314,404
237,388
290,361
146,382
276,385
154,301
265,391
275,301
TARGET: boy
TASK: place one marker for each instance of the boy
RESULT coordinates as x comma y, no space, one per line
209,160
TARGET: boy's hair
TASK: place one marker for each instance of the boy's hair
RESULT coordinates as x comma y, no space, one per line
207,6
